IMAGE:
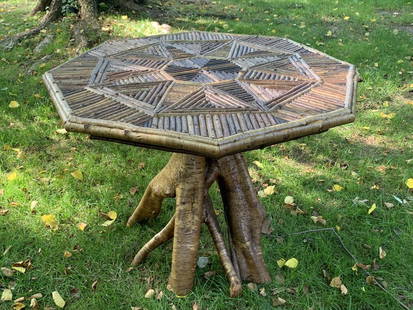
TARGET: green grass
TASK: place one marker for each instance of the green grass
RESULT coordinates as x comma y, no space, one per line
371,159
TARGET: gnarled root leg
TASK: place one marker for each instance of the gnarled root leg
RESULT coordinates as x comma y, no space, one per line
188,178
245,216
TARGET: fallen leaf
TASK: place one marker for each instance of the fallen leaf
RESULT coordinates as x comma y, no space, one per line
81,226
370,280
14,104
209,274
36,296
289,200
269,190
343,289
372,208
150,293
263,292
409,183
336,282
11,176
3,211
195,306
281,262
67,254
124,17
111,216
77,174
133,190
18,306
382,253
291,263
19,269
346,17
252,286
258,164
387,116
319,219
58,300
94,285
34,304
7,272
389,205
7,295
159,296
278,301
49,220
337,188
61,131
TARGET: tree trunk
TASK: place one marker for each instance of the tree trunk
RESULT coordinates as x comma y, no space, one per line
188,178
88,10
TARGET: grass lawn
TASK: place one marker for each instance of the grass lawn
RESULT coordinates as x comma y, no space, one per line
370,160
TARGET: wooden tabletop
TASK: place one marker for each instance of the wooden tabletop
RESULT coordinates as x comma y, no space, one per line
204,93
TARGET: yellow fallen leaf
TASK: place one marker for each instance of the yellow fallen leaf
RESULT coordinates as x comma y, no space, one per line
61,131
387,116
124,17
107,223
112,215
289,200
409,102
382,253
14,104
329,33
372,208
67,254
269,190
409,183
346,17
19,269
18,306
49,220
77,174
281,262
11,176
150,293
58,300
81,226
337,188
7,295
258,164
336,282
291,263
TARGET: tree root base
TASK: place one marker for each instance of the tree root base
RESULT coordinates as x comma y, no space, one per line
188,178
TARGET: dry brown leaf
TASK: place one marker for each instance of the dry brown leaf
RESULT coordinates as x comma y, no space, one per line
195,306
36,296
278,301
336,282
370,280
319,219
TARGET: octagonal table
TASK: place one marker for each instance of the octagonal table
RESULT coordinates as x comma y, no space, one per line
207,97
